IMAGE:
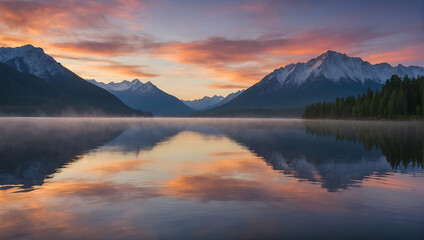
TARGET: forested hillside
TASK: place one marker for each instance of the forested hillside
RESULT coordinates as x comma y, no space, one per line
397,98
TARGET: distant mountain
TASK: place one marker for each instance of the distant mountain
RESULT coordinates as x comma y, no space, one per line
203,103
211,102
332,74
228,98
81,96
145,97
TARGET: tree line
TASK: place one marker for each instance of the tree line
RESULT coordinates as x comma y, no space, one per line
397,98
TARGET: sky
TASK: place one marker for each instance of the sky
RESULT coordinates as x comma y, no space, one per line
191,48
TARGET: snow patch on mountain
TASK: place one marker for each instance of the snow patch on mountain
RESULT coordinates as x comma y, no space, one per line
29,59
122,86
132,86
145,97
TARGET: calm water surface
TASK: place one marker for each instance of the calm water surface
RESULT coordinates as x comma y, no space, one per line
210,179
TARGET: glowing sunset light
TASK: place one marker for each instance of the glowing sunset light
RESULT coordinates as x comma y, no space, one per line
221,46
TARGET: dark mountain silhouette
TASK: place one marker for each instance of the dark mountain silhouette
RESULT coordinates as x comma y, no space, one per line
83,98
26,94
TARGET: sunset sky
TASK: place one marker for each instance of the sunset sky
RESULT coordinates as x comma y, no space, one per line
195,48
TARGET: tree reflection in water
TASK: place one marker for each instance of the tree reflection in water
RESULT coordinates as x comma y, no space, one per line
401,142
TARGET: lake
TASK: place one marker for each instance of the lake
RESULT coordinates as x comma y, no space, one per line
64,178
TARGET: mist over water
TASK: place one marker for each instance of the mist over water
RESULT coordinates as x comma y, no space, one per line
129,178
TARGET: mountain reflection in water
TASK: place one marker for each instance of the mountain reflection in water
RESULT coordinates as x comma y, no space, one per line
210,178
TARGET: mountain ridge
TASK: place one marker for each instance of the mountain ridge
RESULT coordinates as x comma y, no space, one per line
203,103
335,66
207,102
145,97
324,78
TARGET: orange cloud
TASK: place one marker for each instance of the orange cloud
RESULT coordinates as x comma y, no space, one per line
109,45
61,16
125,69
395,56
12,41
227,86
218,49
110,66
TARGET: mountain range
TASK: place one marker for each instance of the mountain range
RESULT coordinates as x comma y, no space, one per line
145,97
49,88
211,102
148,97
288,89
203,103
33,83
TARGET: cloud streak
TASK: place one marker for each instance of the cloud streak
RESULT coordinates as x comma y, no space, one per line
227,86
125,69
112,67
109,45
61,16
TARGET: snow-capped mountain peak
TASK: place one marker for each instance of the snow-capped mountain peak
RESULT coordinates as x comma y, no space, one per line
335,66
145,97
121,86
144,87
30,59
